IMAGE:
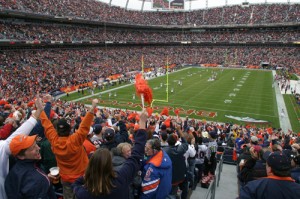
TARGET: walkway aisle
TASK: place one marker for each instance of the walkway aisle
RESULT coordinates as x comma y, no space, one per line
284,120
227,188
228,183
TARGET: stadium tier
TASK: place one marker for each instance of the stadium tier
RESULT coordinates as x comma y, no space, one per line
19,30
214,85
94,10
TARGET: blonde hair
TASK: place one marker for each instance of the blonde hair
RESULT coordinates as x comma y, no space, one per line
121,146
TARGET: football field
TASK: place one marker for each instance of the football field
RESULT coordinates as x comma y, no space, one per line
207,94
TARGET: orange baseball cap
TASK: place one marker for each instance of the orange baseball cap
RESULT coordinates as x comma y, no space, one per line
21,142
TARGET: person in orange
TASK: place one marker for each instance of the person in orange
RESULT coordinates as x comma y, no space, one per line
90,148
68,149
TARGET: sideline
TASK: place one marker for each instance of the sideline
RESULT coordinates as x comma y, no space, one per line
283,116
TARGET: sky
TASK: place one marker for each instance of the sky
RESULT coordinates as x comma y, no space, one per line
192,5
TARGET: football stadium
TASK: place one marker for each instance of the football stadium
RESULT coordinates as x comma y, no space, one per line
157,99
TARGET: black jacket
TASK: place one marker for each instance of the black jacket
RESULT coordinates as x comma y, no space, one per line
176,154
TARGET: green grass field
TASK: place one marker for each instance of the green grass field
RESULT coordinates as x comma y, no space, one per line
249,95
293,112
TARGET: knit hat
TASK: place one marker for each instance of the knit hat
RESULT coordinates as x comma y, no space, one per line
63,128
21,142
279,161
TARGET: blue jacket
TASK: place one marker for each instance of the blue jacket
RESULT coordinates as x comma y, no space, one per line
270,188
125,175
26,180
157,177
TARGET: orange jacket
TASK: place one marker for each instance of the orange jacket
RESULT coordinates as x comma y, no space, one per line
70,154
89,147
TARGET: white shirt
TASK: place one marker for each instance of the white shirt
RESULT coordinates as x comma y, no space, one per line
202,149
25,128
191,152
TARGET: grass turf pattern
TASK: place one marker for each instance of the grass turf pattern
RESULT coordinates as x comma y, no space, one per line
250,94
293,111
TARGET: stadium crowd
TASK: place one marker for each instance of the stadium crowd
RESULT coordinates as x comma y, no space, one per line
98,151
94,10
24,72
177,153
25,31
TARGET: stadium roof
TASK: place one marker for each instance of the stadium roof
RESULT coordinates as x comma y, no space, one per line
189,5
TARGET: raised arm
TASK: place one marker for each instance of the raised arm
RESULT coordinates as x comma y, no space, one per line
49,130
133,163
184,145
27,126
85,125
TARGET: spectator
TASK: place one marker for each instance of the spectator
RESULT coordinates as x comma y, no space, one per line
108,183
200,157
295,171
26,179
278,184
157,172
68,149
254,167
89,147
176,153
190,158
5,151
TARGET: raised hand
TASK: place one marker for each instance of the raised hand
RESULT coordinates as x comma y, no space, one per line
39,102
143,119
94,105
39,105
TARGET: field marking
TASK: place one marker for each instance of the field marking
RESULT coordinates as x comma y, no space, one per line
237,107
216,109
241,96
210,85
207,108
294,109
117,88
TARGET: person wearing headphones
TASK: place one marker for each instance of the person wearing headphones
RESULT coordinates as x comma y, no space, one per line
157,172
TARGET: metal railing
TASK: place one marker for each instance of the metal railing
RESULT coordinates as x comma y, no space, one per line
211,192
